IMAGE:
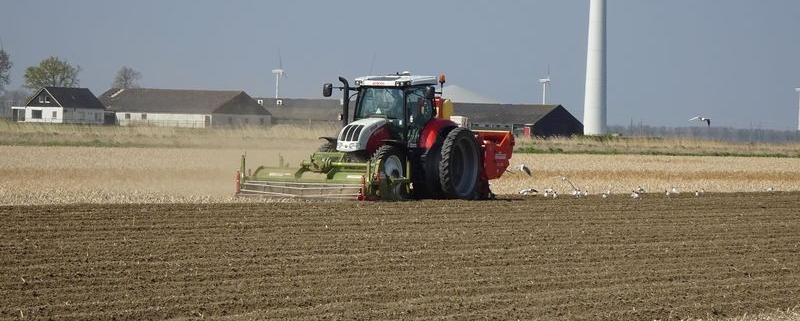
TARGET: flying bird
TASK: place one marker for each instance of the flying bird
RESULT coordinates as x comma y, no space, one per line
701,118
523,168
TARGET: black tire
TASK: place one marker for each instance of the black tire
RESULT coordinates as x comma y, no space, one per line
431,187
360,156
459,168
327,147
393,159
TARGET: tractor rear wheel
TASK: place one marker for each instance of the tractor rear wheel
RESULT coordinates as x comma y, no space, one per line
460,166
393,159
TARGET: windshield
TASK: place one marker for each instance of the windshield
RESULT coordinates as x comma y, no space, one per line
380,102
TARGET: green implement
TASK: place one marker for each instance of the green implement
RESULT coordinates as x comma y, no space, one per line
325,175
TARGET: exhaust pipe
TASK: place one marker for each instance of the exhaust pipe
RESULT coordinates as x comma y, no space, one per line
345,101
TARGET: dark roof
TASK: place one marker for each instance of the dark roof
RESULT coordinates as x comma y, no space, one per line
502,113
68,97
303,109
181,101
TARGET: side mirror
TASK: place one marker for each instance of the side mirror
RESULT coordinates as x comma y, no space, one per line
430,92
327,90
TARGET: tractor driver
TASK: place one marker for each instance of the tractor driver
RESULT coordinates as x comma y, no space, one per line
388,102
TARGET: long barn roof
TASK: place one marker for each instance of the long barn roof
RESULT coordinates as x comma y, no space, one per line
181,101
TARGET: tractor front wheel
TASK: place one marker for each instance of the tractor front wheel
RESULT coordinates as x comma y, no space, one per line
393,159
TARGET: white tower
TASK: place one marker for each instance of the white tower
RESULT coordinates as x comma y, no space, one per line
594,106
545,82
278,74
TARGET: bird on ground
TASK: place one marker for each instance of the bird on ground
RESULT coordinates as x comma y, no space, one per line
699,192
528,191
674,190
635,194
640,190
701,118
769,189
607,193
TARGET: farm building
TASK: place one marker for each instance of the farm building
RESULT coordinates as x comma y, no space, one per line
61,105
303,112
184,108
526,120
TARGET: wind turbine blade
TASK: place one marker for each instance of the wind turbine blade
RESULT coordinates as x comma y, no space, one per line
280,60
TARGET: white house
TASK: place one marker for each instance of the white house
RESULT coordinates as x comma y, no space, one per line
184,108
61,105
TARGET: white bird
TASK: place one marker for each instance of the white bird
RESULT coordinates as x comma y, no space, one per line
635,194
528,191
699,192
521,168
701,118
640,190
674,190
526,169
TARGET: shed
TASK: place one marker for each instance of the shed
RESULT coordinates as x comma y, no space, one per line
185,108
535,120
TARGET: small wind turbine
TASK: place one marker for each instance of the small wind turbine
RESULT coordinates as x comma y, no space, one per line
278,74
545,83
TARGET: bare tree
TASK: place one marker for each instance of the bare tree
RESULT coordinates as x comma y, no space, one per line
127,77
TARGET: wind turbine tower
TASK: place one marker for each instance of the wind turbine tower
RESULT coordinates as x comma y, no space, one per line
278,74
545,83
594,107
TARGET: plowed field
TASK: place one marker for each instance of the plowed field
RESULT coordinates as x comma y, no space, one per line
657,257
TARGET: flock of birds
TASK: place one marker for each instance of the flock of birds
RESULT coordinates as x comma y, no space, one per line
576,192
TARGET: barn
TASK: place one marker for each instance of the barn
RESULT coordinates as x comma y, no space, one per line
303,112
184,108
521,119
61,105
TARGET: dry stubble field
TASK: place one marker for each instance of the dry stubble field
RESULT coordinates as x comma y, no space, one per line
152,233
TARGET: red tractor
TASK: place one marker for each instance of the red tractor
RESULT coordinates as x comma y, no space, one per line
400,144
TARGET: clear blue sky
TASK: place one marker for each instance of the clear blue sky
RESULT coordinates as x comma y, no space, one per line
735,61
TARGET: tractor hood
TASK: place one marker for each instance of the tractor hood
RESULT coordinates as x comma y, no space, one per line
357,134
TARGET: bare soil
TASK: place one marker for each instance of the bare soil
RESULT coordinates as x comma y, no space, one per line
718,255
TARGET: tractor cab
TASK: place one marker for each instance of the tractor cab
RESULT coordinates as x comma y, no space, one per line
405,109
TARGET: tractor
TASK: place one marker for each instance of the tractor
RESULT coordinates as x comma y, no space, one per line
400,144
